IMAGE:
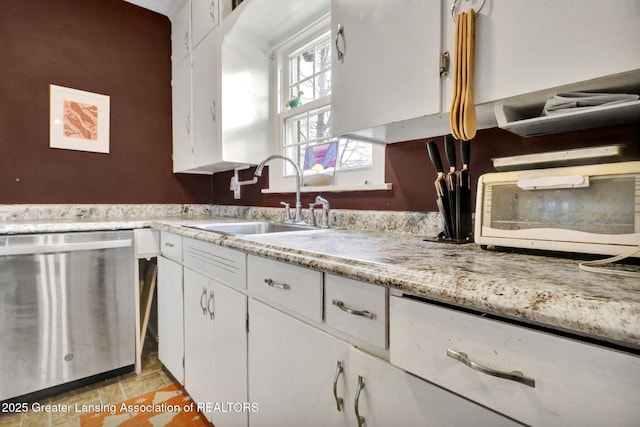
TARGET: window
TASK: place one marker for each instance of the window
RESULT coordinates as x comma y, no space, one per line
303,124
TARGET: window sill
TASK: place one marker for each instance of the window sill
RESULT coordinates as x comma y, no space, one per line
331,188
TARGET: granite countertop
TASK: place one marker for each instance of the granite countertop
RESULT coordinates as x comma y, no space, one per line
547,291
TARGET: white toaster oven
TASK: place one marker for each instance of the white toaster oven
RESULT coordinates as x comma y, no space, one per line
584,209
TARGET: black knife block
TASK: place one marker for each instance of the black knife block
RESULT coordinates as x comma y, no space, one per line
465,230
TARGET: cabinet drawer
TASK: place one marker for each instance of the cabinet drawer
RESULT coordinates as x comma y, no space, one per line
171,246
147,242
356,308
227,266
576,383
291,287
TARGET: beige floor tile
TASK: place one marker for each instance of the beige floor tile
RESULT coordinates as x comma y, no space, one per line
142,384
35,419
111,394
11,420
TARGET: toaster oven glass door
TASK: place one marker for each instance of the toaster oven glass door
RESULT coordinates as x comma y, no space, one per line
607,206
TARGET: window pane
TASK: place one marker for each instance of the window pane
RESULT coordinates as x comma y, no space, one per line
323,84
297,129
320,125
323,55
355,154
302,66
295,152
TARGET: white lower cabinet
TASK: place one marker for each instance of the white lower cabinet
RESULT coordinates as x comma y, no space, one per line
295,379
215,344
170,317
535,377
292,367
391,397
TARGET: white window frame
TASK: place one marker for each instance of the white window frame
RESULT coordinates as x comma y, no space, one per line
370,178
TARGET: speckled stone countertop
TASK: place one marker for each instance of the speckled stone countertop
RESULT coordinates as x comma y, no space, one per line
547,291
388,249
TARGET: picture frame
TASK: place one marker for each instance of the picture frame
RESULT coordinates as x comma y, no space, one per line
78,120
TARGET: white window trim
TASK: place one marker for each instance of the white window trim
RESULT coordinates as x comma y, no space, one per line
365,179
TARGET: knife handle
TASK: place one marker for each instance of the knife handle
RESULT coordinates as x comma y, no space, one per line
434,155
465,153
450,151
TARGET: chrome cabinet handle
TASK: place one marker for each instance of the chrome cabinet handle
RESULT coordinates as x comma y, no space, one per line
203,298
340,35
357,401
516,376
187,124
212,14
276,285
212,110
169,245
339,400
346,309
211,309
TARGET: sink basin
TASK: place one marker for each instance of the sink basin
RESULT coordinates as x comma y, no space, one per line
261,227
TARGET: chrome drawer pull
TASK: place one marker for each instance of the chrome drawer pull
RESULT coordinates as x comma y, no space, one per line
356,402
346,309
203,300
338,399
169,245
211,309
516,376
276,285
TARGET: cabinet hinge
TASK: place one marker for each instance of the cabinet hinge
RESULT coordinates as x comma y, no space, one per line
247,322
444,64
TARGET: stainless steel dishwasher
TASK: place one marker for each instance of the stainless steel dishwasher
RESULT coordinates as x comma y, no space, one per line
66,308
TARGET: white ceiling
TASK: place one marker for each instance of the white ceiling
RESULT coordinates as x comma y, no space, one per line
163,7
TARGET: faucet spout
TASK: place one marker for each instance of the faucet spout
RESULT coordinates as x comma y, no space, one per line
258,173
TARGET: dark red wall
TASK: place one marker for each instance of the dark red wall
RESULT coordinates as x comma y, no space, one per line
121,50
409,170
105,46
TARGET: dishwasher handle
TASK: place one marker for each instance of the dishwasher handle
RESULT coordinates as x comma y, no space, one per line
64,247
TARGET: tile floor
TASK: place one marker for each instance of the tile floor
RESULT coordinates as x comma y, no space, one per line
109,391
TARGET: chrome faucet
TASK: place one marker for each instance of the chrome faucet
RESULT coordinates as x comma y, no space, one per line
298,218
325,212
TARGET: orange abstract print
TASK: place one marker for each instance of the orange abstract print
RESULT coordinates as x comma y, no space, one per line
80,120
169,406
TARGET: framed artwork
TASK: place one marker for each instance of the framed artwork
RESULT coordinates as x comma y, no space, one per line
78,120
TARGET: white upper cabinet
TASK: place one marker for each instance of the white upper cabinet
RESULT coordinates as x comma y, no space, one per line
204,16
525,46
384,62
205,101
388,86
182,119
181,31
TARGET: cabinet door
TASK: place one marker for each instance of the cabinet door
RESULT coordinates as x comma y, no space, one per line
170,317
204,16
198,334
229,352
524,46
181,117
292,367
391,397
181,31
205,95
389,71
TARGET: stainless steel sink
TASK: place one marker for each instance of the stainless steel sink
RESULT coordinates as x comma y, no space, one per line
260,227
